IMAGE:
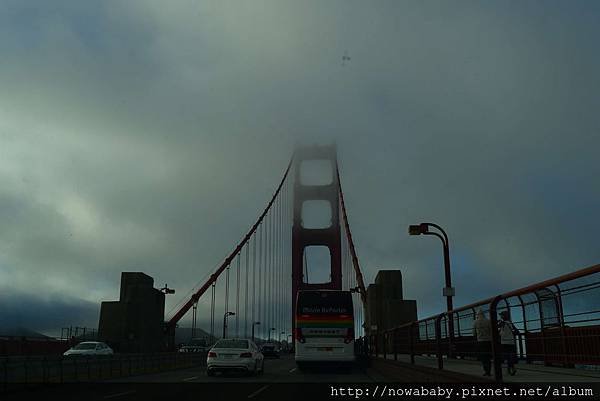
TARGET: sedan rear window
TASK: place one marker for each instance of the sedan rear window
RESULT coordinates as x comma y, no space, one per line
85,346
231,344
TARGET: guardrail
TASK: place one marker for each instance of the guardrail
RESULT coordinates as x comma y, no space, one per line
558,322
18,372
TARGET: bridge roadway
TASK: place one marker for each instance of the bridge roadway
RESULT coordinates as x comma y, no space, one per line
281,380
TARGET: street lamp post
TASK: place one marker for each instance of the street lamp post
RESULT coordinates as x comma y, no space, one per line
225,322
448,291
272,329
254,324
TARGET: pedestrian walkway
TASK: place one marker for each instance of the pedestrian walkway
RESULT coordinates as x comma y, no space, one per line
526,373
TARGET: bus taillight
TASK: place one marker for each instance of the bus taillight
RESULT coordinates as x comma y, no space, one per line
349,336
299,335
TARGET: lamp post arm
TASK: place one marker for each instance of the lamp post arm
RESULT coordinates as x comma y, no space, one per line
445,239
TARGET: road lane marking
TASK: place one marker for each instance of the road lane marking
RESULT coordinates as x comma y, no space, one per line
293,370
119,394
257,392
190,378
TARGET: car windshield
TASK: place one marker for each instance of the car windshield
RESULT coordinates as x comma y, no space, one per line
85,346
231,344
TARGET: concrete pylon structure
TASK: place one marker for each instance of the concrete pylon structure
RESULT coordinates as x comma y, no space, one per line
135,322
386,306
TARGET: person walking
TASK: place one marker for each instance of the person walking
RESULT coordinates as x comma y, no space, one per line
508,333
482,331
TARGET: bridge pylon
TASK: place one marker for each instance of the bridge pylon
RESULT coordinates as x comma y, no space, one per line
303,237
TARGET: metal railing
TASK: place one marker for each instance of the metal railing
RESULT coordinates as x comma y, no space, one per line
19,372
558,323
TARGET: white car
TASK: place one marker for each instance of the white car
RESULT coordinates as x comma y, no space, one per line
235,354
89,348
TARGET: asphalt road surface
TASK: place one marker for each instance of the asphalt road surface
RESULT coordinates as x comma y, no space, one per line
281,380
281,370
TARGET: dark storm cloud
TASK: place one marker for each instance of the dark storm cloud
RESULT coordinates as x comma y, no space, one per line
137,136
45,314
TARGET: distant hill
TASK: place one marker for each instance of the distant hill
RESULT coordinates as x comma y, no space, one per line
20,332
184,334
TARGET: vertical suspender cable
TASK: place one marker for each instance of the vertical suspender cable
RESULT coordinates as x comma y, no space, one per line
194,321
212,313
268,255
246,269
259,317
227,290
271,270
281,265
226,300
276,304
259,302
237,297
254,281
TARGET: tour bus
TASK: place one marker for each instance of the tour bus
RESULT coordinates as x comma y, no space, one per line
324,327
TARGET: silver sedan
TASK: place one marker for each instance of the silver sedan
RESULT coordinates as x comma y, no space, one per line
235,354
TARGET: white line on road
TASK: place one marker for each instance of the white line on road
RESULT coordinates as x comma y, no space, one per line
257,392
190,378
293,370
119,394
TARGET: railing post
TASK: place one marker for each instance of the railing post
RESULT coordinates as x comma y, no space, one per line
385,338
521,354
564,356
5,373
450,334
412,342
438,338
395,340
496,352
44,366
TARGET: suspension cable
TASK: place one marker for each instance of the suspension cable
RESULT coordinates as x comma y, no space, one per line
355,263
213,277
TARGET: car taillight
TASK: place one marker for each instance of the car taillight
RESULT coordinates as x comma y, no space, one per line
349,336
299,335
212,354
246,355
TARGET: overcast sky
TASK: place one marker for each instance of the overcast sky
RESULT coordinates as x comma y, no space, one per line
147,136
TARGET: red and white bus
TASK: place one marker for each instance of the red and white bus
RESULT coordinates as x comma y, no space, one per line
324,327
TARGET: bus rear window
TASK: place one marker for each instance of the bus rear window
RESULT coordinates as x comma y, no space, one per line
324,303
